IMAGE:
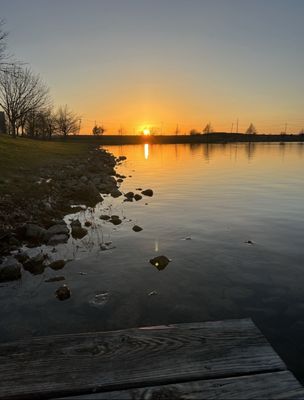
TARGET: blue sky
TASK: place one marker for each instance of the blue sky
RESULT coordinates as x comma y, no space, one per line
138,63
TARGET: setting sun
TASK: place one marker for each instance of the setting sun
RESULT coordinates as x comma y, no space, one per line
146,132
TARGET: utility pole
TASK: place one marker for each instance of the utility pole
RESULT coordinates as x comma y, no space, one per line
285,130
237,125
176,130
232,127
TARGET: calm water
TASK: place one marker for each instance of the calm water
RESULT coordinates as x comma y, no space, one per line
217,196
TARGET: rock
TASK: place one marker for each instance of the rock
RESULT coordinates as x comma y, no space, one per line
86,193
58,239
153,293
129,195
119,180
75,223
137,228
160,262
116,193
100,299
105,217
35,265
88,224
10,270
137,197
35,233
147,192
115,220
57,230
78,232
63,293
55,279
121,158
22,256
58,264
249,242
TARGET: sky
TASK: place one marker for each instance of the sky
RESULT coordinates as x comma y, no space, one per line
130,64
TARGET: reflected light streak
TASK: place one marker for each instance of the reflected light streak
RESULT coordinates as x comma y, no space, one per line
146,150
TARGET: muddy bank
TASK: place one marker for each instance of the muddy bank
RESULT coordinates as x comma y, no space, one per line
33,214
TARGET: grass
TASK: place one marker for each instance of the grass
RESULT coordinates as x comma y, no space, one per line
21,157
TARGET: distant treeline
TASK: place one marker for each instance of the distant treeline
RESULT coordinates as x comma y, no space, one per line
219,137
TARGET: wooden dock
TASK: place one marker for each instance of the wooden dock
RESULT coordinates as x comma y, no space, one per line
211,360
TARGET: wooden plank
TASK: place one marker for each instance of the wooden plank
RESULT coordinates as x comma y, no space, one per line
83,363
273,385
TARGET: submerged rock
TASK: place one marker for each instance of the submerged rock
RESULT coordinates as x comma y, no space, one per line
55,279
63,293
147,192
58,264
10,270
137,228
160,262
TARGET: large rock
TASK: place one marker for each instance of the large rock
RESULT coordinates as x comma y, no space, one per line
35,233
86,193
160,262
58,239
78,232
57,230
35,265
10,270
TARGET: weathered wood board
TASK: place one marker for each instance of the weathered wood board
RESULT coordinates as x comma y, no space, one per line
68,365
273,385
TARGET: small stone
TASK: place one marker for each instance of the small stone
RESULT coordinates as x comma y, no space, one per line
160,262
10,270
88,224
55,279
147,192
137,197
63,293
129,195
137,228
58,264
153,293
116,193
105,217
116,220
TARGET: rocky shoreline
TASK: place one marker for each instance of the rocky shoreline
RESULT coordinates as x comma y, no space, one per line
35,217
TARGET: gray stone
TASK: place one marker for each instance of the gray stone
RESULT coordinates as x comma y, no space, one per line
35,232
58,239
10,270
57,230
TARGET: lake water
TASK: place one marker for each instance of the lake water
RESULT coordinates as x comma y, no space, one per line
209,200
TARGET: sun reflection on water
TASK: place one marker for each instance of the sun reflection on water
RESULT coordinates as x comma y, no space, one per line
146,150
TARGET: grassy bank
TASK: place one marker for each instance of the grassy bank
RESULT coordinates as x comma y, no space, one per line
20,158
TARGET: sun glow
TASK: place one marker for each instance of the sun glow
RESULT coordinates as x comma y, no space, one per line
146,131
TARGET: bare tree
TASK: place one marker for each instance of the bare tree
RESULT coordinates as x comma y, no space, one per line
251,130
208,128
98,130
21,93
66,121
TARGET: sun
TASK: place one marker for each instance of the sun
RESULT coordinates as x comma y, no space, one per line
146,132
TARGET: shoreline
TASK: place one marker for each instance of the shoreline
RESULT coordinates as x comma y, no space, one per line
34,214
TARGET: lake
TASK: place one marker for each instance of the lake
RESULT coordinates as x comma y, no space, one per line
231,219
